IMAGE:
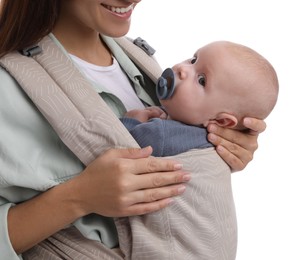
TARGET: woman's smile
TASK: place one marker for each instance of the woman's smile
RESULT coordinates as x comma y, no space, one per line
124,12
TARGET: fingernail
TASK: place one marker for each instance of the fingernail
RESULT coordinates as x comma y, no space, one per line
146,149
220,148
181,189
178,166
247,121
170,201
186,177
212,128
212,137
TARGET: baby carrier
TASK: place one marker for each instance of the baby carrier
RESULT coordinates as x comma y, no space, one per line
200,224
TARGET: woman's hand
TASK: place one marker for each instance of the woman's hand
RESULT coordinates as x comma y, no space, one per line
127,182
121,182
237,148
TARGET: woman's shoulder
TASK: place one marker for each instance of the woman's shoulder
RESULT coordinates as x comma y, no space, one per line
8,86
15,104
5,77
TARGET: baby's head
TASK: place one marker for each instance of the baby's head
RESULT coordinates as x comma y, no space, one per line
223,83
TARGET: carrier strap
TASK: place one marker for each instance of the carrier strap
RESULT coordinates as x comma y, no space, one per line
77,113
141,56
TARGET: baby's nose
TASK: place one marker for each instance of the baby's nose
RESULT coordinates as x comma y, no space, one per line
181,71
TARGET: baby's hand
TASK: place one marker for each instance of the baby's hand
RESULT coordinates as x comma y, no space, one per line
143,115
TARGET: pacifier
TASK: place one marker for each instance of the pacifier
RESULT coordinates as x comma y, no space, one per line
166,84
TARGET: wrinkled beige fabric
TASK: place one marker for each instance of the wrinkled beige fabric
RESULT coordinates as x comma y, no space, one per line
201,224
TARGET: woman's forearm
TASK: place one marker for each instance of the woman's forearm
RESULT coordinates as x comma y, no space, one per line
34,220
121,182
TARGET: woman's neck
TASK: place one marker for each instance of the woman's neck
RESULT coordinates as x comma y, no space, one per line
84,43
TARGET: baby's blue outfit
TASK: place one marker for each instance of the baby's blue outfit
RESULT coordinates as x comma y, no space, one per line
167,137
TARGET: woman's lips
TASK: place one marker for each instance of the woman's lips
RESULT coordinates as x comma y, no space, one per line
120,11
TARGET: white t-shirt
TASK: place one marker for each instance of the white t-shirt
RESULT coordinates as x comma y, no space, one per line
113,79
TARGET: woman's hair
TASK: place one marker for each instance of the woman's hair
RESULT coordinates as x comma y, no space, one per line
25,22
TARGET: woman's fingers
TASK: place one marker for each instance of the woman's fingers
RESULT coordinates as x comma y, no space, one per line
144,208
149,200
235,156
154,190
154,164
160,179
151,195
125,182
236,148
229,138
236,161
256,126
130,153
234,141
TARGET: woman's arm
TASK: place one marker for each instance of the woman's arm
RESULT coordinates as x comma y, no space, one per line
235,147
118,183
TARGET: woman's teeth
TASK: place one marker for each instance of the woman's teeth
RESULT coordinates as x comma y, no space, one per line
119,10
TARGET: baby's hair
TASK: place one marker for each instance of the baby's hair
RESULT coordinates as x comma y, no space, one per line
265,85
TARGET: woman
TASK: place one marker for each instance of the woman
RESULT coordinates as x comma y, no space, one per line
112,185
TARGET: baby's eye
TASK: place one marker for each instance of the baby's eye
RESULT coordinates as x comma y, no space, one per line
202,80
193,60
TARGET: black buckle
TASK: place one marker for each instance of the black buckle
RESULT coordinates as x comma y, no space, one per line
144,46
31,51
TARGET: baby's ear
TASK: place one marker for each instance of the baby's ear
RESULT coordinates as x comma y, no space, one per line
225,120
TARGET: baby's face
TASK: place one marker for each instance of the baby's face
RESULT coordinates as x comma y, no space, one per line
203,86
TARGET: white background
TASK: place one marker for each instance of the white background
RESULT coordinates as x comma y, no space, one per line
264,192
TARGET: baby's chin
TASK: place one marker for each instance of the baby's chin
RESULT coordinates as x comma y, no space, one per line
185,121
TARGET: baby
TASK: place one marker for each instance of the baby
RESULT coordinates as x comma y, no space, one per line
223,83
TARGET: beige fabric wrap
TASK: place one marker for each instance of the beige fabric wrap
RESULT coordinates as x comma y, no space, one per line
201,224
